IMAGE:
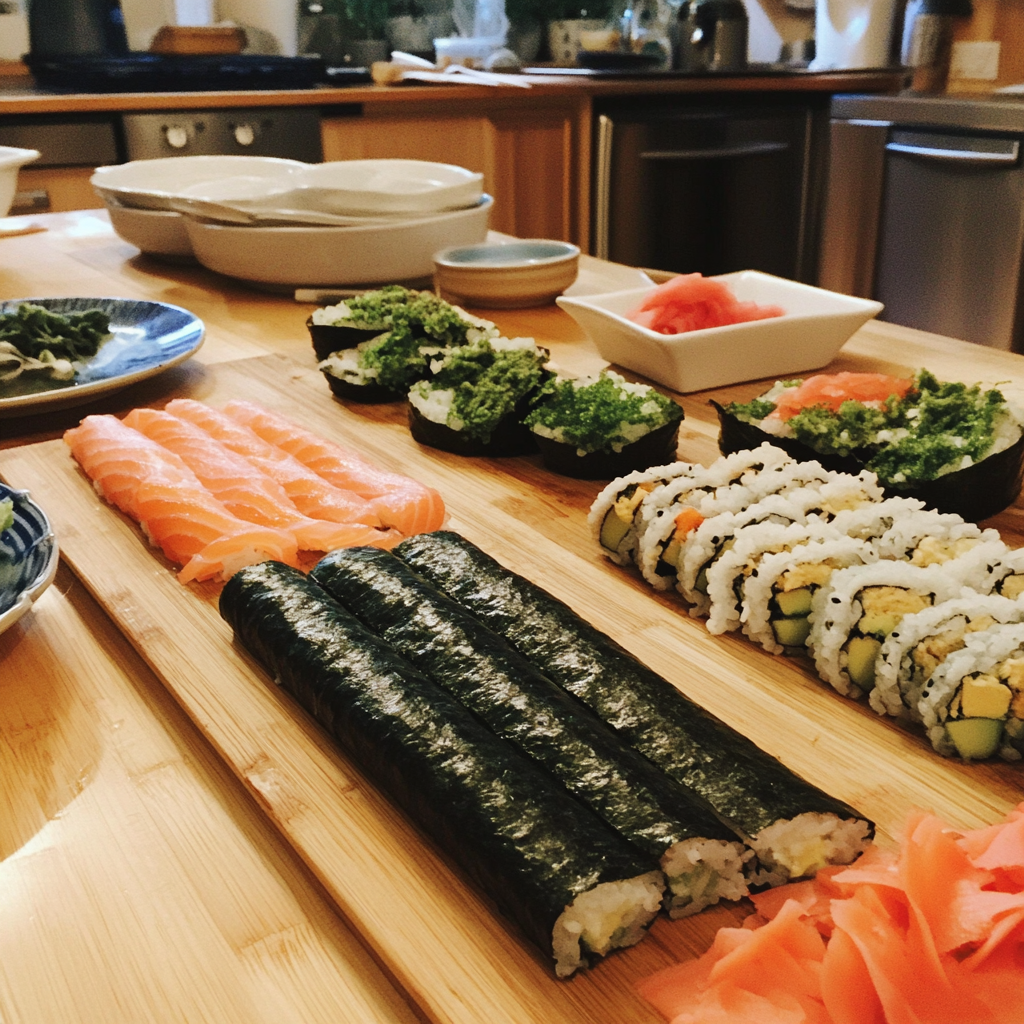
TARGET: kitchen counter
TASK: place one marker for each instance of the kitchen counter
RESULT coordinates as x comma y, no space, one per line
19,97
181,844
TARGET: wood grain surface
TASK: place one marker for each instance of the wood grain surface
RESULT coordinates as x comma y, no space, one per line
437,937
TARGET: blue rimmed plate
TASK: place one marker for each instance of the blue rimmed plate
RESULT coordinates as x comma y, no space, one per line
28,557
148,338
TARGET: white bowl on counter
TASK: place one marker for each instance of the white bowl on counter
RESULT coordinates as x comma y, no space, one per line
506,275
152,184
815,326
159,233
12,159
301,256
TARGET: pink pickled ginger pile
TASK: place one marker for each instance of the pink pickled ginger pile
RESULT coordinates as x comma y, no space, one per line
692,302
931,934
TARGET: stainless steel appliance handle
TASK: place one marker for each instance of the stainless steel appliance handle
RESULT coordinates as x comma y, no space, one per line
718,153
960,156
603,186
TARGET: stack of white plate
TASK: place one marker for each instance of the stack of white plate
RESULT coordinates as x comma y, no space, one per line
284,222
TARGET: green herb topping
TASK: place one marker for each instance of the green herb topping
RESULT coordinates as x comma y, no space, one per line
416,327
605,413
936,428
6,513
475,386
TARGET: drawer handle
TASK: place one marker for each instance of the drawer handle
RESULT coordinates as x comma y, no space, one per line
718,153
963,156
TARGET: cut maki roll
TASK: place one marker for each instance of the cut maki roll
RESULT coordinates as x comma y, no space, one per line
570,883
924,640
973,704
601,427
613,516
477,397
793,827
386,340
958,448
777,600
852,616
703,860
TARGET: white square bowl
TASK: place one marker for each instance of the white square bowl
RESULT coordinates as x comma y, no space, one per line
814,328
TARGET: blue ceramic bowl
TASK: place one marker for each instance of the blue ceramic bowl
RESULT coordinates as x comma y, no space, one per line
28,557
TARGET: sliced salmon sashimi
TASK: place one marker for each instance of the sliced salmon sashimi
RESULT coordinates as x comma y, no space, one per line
245,490
401,502
311,494
175,510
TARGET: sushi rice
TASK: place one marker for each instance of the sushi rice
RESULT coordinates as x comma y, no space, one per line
748,540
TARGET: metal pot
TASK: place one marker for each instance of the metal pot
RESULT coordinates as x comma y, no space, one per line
76,28
712,36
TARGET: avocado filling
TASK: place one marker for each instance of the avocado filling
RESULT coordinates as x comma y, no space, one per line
882,609
983,706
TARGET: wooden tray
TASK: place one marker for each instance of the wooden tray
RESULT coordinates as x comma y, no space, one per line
437,936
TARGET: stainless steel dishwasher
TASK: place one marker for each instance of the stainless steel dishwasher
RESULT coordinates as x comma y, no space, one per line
925,212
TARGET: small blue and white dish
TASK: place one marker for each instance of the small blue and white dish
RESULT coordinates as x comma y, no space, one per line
147,338
28,557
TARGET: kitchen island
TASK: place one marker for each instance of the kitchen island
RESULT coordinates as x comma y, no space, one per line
181,843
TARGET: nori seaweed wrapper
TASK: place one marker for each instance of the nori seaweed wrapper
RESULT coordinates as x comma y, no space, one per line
328,338
496,682
655,448
747,787
510,437
975,493
518,835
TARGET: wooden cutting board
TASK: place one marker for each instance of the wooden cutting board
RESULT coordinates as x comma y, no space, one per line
438,937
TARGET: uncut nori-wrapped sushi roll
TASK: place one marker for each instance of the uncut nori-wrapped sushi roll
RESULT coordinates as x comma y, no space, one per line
702,858
569,882
596,428
793,827
959,448
478,396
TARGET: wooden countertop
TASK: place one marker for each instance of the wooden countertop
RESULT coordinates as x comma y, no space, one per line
19,97
179,844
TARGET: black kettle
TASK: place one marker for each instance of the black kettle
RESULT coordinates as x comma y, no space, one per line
76,28
712,36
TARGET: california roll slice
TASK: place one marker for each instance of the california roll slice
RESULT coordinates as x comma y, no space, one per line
853,615
602,427
973,704
477,397
613,517
912,653
777,600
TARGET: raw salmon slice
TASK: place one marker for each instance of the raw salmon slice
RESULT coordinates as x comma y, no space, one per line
830,390
312,495
401,502
246,491
176,512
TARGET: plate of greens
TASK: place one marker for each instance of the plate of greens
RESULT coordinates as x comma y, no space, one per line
28,554
63,352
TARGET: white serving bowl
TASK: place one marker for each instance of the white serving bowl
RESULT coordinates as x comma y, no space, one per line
387,186
815,326
159,233
301,256
152,184
506,275
12,159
